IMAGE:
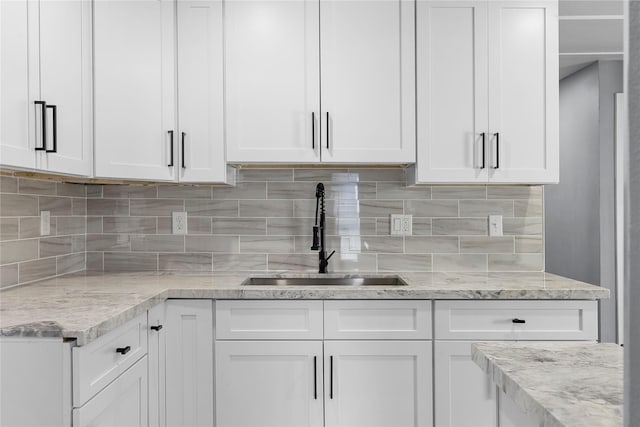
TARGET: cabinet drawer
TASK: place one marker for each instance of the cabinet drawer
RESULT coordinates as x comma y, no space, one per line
267,320
377,319
516,320
97,364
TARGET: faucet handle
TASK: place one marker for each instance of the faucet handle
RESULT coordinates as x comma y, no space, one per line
316,238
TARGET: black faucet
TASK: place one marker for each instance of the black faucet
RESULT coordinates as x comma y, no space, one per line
319,231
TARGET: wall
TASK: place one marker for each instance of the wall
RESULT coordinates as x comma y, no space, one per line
25,256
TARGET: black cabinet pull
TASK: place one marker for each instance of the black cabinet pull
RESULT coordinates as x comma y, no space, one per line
497,135
327,130
184,166
55,129
516,320
330,377
313,130
44,125
484,137
156,328
315,377
171,145
123,350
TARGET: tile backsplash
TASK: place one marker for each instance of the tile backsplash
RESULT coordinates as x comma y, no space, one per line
265,224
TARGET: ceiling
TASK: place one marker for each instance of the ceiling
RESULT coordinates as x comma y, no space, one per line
590,30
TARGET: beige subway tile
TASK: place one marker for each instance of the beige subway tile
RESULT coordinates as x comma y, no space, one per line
157,243
266,208
18,250
108,207
35,186
79,206
94,224
289,226
185,262
520,226
432,208
516,262
402,262
8,184
486,244
239,262
129,261
57,206
431,244
351,226
238,226
197,225
108,243
529,244
359,244
483,208
478,192
306,208
382,174
351,262
30,227
155,207
165,225
71,225
514,192
324,175
134,225
244,190
463,262
264,175
227,208
524,208
70,263
349,191
36,270
267,244
18,205
291,190
94,191
184,192
378,208
421,226
79,243
398,190
293,262
459,226
70,190
8,275
95,261
227,244
130,191
54,246
9,228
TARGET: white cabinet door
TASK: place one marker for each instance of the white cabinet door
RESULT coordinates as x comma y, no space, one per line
452,91
368,81
464,395
200,91
272,86
157,365
523,91
134,88
378,383
123,403
189,363
19,84
65,79
269,383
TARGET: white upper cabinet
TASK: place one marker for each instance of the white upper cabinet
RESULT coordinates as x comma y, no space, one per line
487,88
368,81
272,81
46,57
134,71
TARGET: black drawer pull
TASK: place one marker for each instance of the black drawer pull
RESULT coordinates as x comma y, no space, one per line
156,328
516,320
123,350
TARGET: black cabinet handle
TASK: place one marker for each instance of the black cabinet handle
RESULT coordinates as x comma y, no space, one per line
484,137
315,377
123,350
497,135
327,130
516,320
184,166
330,375
313,130
171,145
156,328
44,125
55,129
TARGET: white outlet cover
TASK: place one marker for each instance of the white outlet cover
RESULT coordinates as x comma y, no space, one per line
407,225
495,225
179,223
395,225
45,223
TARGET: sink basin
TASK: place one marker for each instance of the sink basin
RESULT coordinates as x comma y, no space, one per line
325,281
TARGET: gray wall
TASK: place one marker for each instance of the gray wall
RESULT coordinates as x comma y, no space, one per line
579,211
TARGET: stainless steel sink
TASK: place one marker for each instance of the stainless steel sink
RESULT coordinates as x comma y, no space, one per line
325,281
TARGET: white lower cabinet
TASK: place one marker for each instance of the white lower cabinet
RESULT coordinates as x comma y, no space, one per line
510,414
157,365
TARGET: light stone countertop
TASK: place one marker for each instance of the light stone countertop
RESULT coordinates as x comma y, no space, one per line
558,384
84,306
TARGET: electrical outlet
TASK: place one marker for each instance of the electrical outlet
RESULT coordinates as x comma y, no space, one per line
179,223
495,225
407,225
45,223
400,225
